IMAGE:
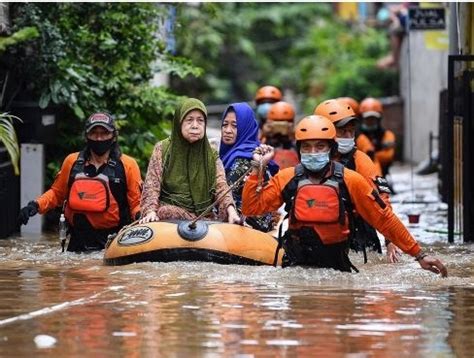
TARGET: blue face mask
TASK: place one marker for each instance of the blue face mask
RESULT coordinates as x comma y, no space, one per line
262,110
345,145
315,162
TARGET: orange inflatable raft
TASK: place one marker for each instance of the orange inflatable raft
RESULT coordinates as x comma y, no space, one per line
166,241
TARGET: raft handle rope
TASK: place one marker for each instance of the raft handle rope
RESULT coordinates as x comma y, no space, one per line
192,224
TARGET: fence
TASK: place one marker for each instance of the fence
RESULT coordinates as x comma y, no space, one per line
458,167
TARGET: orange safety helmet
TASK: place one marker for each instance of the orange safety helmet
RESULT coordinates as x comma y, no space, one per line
315,127
268,93
339,112
351,102
281,111
371,107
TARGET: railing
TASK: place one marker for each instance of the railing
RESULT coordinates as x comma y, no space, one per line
460,148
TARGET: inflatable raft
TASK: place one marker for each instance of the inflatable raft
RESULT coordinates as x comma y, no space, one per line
166,241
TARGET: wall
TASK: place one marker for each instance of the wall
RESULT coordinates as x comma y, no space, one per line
428,77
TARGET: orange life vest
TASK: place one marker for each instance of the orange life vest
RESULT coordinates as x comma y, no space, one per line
92,197
286,158
319,206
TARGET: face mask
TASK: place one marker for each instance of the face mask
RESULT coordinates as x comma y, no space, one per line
345,145
367,128
315,162
262,110
100,147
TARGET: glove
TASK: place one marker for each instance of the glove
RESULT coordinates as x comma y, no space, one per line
26,212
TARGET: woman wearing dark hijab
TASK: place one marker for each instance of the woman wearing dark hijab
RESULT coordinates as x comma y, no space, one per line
239,138
185,175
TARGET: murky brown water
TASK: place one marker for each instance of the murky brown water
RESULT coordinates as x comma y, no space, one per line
200,309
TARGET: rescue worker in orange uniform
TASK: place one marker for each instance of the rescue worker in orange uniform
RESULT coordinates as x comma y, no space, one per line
264,98
373,136
278,131
99,188
344,119
320,195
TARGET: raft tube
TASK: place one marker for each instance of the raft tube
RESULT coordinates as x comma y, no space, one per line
167,241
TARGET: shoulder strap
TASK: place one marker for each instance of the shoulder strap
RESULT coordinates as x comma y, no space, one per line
77,167
338,172
345,198
338,177
289,191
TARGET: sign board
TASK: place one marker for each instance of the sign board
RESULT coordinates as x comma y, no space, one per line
427,19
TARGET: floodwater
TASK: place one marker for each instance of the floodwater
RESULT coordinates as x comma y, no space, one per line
55,304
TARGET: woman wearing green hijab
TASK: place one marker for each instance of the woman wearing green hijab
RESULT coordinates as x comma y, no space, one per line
185,175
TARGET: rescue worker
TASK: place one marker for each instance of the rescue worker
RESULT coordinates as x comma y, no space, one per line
373,136
264,98
320,195
99,188
278,131
344,119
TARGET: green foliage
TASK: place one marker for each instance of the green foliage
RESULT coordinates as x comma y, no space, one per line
339,61
22,35
240,46
9,140
100,56
300,47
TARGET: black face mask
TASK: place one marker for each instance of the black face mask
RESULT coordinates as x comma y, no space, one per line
100,147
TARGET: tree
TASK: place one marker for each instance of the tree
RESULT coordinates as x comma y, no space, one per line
93,57
9,140
302,47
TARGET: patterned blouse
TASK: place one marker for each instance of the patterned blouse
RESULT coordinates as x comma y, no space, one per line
263,223
152,187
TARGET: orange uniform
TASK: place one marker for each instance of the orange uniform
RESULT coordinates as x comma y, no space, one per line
371,208
364,144
362,164
386,154
371,171
381,150
58,192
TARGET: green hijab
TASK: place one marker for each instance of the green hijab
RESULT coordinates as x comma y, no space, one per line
189,169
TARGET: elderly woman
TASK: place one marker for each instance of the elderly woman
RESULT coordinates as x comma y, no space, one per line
185,175
239,138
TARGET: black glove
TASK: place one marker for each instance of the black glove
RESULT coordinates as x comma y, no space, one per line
28,211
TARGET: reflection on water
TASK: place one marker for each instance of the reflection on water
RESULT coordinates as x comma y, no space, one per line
201,309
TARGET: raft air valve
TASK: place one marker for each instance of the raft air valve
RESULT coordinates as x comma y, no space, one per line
193,232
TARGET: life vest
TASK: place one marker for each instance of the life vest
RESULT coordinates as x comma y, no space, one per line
102,199
319,222
319,206
286,158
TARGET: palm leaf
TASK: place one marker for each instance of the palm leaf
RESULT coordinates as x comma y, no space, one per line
9,139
